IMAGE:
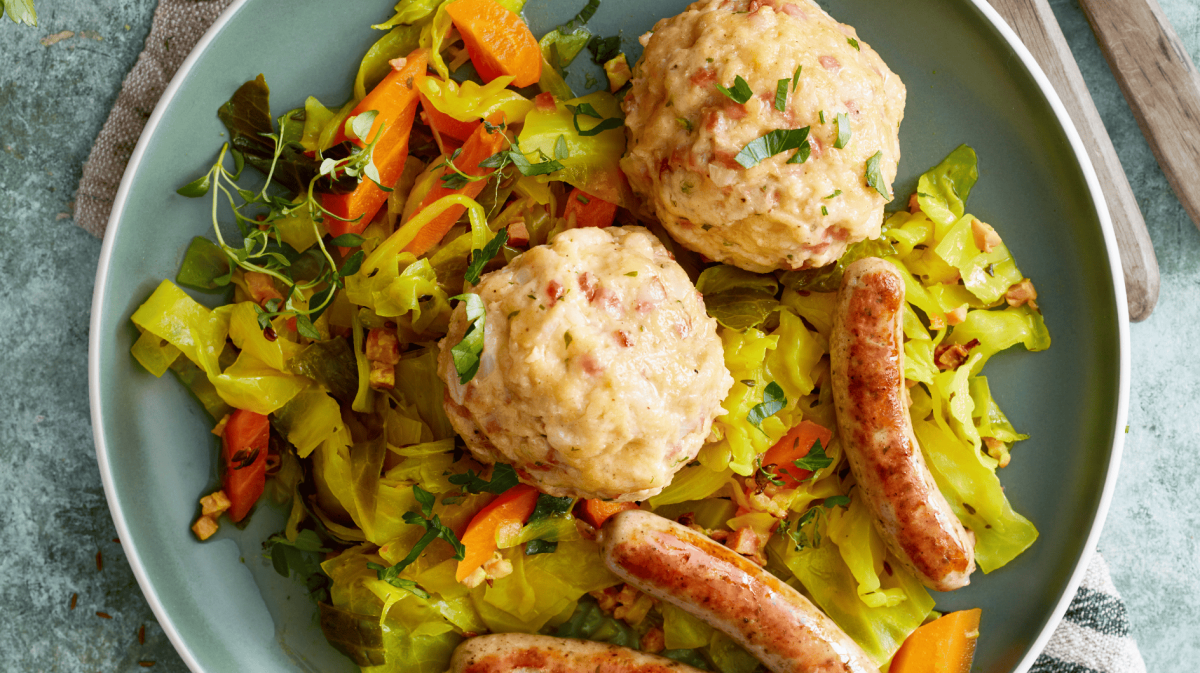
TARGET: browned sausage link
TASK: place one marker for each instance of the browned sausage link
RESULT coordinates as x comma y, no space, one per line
776,624
867,354
505,652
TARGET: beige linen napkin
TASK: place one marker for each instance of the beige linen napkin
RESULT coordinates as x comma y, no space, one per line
176,28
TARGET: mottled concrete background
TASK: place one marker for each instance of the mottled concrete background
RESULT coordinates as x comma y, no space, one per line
53,517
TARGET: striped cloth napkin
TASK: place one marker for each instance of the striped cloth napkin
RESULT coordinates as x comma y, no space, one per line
1094,637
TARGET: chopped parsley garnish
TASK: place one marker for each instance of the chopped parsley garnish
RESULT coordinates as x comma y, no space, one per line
685,123
812,538
824,210
504,477
843,136
604,49
583,199
821,116
853,43
581,18
836,193
567,339
796,77
814,460
480,258
739,93
548,505
875,176
586,110
561,151
632,274
781,93
434,529
534,547
775,142
466,353
774,400
517,158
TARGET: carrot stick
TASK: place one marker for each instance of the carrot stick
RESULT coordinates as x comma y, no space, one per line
512,507
367,198
391,96
395,101
794,446
497,40
945,645
596,511
590,211
482,144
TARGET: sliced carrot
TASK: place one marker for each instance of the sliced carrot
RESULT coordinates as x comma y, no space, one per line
358,208
945,645
391,96
497,40
444,123
590,211
483,143
395,101
596,511
244,448
794,446
512,507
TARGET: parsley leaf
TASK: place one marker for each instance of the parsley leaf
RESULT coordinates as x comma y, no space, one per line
548,505
837,501
480,258
796,77
581,18
779,140
517,158
604,49
425,498
774,400
739,93
561,151
836,193
853,43
586,109
391,576
814,460
504,477
685,123
781,92
540,547
843,136
875,176
466,353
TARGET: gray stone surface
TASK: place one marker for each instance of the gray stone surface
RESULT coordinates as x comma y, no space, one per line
53,517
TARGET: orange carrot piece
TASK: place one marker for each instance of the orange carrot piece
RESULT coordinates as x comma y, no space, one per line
795,445
444,123
395,101
497,40
945,645
596,511
512,507
482,144
392,96
391,151
590,211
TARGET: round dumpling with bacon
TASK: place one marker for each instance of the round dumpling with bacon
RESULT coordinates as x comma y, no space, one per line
763,133
600,372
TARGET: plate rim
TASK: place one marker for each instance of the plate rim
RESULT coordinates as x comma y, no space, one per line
132,552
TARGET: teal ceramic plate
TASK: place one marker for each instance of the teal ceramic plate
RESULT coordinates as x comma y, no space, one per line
969,80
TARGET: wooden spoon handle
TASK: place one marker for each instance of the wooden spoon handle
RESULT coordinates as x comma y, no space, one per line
1034,22
1159,80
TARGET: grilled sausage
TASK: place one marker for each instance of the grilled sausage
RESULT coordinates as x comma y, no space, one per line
867,357
770,619
505,652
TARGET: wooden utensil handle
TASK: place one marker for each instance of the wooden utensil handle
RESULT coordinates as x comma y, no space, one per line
1034,22
1159,80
